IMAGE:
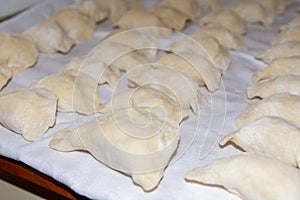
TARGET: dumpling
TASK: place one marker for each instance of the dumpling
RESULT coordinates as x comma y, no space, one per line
196,67
96,69
287,49
292,24
29,112
250,177
225,37
169,81
173,18
93,10
17,53
282,84
150,99
254,12
5,75
139,19
76,92
205,45
189,7
136,4
77,25
270,136
226,18
273,5
286,106
130,141
48,37
279,67
289,35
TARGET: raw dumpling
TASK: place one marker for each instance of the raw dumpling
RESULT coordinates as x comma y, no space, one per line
286,106
96,69
251,177
130,141
225,37
279,67
270,136
188,7
205,45
289,35
196,67
77,25
139,19
17,53
287,49
292,24
169,81
150,99
226,18
29,112
5,75
76,92
48,37
173,18
282,84
93,10
273,5
254,12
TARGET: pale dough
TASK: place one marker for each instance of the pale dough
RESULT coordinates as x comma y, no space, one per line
5,75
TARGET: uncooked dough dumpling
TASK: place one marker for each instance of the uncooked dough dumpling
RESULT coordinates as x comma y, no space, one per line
254,12
225,37
169,81
250,177
284,50
77,25
289,35
5,75
286,106
48,37
150,99
196,67
292,24
274,5
29,112
279,67
17,53
93,10
173,18
270,136
205,45
131,141
282,84
226,18
76,91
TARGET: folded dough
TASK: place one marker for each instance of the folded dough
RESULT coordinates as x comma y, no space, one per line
287,49
289,35
48,37
29,112
130,141
196,67
286,106
292,24
226,18
17,53
147,98
253,12
279,67
226,38
250,177
77,25
76,91
282,84
204,45
5,75
272,136
169,81
93,10
173,18
96,69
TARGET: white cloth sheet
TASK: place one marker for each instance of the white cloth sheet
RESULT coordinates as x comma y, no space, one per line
199,135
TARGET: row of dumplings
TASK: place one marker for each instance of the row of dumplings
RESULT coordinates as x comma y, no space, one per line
269,132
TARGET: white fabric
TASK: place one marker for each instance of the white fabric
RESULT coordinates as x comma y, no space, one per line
199,135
